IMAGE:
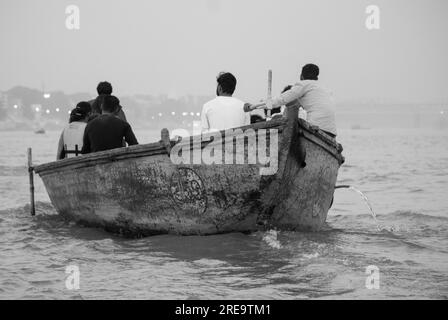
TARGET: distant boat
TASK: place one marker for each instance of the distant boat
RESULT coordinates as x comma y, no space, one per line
139,191
40,131
358,127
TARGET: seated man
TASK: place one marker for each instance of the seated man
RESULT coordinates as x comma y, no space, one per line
107,130
224,111
314,99
71,139
105,89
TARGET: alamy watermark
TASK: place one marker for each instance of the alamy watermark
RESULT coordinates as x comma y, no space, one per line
72,281
373,18
235,146
373,277
72,20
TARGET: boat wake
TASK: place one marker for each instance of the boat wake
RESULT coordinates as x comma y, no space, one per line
394,225
416,230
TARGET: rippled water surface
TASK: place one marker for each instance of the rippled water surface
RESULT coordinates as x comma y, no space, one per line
404,173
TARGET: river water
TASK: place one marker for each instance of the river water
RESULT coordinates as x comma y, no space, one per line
403,172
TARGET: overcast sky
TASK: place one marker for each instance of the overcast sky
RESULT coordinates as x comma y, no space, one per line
178,47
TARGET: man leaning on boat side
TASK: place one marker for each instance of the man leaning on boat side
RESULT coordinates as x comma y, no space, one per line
314,99
107,131
225,111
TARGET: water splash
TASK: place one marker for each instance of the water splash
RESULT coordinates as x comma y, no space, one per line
369,205
270,237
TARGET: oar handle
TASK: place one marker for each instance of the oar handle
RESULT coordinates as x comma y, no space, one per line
269,97
31,176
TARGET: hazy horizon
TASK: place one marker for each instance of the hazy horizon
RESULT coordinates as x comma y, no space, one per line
179,48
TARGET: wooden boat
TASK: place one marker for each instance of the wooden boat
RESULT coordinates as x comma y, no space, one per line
139,191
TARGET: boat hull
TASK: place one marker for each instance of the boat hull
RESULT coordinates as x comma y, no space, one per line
139,191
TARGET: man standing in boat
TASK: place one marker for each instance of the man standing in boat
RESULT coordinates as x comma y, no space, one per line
225,111
105,89
314,99
107,130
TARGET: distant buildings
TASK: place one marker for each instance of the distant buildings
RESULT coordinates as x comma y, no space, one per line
3,105
24,106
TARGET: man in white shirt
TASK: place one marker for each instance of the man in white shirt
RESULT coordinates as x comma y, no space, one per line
314,99
224,112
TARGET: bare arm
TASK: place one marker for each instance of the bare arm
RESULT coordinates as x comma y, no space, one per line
129,136
205,126
61,152
296,92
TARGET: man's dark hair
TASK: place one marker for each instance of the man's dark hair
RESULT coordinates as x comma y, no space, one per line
104,88
110,104
84,106
310,72
80,112
227,81
254,118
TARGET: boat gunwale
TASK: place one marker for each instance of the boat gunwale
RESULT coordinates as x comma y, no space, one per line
156,148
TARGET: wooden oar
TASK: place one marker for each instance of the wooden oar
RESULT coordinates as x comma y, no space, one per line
263,104
31,174
269,98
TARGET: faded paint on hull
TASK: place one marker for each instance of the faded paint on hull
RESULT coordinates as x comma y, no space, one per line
311,193
142,198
